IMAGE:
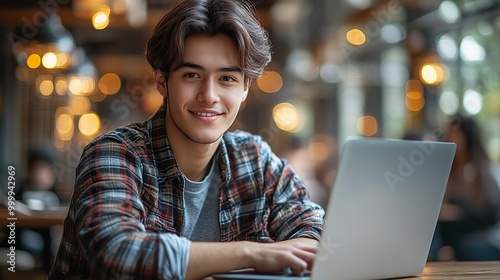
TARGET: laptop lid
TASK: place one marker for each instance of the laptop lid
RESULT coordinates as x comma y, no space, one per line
383,208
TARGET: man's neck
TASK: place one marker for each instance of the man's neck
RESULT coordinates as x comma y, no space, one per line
193,158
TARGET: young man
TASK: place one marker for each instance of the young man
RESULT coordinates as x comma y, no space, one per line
154,200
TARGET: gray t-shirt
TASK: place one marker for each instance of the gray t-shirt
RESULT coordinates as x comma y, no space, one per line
201,201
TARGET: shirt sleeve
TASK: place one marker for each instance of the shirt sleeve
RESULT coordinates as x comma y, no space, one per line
292,213
108,215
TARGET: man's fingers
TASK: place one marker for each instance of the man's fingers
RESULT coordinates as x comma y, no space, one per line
277,256
307,257
299,267
302,258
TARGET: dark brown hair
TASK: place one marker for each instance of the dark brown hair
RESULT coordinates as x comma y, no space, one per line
165,47
474,145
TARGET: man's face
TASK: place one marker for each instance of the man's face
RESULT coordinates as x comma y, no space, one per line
205,93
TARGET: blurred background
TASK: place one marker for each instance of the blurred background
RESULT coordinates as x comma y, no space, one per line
74,69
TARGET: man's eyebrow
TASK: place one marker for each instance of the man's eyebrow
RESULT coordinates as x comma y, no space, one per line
222,69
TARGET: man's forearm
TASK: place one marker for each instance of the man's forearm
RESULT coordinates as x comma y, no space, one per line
208,258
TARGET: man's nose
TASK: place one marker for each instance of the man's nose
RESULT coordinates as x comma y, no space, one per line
208,92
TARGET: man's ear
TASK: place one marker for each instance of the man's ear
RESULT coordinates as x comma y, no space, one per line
245,91
160,82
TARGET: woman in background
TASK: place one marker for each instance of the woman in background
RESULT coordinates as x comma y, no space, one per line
469,219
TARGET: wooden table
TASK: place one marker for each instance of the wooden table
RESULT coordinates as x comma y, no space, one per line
454,270
34,219
460,270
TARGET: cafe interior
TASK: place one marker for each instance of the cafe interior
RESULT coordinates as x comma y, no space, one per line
74,69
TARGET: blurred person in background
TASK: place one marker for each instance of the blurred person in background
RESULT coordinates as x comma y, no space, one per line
468,227
38,192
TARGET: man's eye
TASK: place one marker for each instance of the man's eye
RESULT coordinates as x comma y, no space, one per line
227,79
190,75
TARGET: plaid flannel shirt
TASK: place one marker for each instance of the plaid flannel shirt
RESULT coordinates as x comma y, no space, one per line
128,203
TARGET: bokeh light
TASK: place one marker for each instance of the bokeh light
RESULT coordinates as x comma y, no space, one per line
100,19
472,102
49,60
367,125
89,124
46,87
356,37
270,82
471,50
286,117
448,102
33,61
414,89
79,104
61,86
109,83
64,124
415,105
432,73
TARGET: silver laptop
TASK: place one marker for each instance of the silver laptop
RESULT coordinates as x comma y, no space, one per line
382,211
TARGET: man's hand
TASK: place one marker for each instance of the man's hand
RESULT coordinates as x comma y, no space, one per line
298,254
209,258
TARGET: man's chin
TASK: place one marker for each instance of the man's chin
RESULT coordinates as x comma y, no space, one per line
204,139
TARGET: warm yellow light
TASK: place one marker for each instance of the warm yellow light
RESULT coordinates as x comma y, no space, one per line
46,87
286,117
49,60
414,89
89,124
414,94
75,85
432,74
415,105
63,60
367,126
88,86
97,96
79,105
61,86
100,19
270,82
33,61
64,124
356,37
109,83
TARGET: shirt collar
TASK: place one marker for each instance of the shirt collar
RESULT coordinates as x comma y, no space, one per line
161,150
